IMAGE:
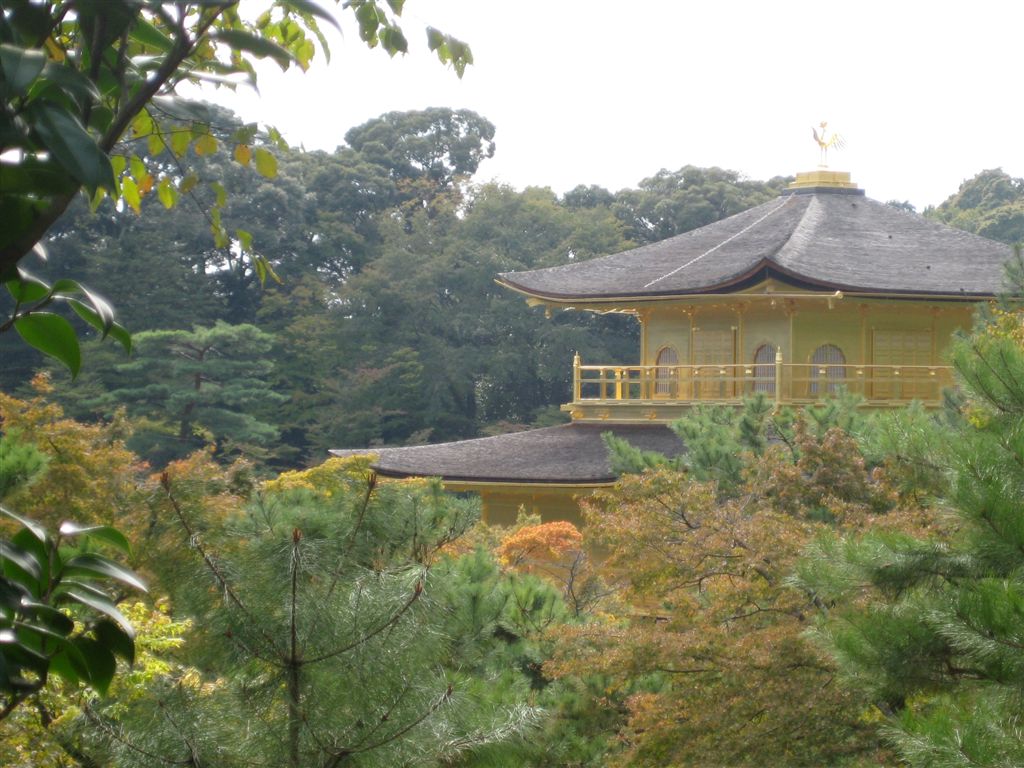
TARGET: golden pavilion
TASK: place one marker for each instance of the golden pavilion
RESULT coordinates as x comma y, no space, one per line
820,289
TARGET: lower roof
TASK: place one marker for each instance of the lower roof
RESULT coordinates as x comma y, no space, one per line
572,454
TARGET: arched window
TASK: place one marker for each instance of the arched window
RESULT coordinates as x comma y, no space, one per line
764,369
666,379
829,363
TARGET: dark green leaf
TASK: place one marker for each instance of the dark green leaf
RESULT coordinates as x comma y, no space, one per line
27,289
30,525
393,41
23,656
72,146
97,565
61,664
24,560
52,335
114,638
99,663
90,316
56,620
71,81
36,177
105,533
104,606
145,33
20,67
258,46
312,9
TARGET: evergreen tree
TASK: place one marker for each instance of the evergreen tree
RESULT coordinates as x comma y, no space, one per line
931,628
330,628
207,385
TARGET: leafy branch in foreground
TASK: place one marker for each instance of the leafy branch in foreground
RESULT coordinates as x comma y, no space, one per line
58,609
79,78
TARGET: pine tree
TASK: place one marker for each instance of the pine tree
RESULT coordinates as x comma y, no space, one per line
932,628
329,627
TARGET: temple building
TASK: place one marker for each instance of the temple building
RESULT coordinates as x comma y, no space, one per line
819,289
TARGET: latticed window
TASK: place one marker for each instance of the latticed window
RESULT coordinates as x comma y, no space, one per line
764,369
828,363
892,349
666,381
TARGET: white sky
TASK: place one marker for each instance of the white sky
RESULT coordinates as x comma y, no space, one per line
926,94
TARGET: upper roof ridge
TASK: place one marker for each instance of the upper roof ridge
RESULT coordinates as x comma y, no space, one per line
785,201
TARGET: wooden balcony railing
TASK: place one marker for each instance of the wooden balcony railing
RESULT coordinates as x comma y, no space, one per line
783,382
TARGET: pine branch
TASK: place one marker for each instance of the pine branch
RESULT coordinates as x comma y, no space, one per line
211,565
417,591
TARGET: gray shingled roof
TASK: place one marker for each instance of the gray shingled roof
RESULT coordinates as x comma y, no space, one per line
833,241
568,453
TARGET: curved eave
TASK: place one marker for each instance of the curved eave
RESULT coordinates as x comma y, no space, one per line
498,482
764,269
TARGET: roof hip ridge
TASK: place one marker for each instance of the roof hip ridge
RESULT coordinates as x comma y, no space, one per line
786,201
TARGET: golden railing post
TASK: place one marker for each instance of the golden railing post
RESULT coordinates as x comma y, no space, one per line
576,385
778,376
618,383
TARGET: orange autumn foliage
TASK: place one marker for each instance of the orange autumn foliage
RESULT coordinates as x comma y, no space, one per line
716,630
542,543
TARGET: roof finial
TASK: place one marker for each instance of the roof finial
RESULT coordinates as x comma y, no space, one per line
825,141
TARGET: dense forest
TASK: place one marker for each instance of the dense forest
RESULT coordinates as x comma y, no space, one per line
383,324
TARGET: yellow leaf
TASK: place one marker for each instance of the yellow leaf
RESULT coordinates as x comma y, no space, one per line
166,192
243,154
180,139
205,145
155,144
147,184
138,167
56,52
188,183
130,194
266,163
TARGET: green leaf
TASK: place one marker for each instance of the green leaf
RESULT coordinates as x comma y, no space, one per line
114,638
56,620
114,330
220,193
20,67
312,9
180,139
244,239
167,193
393,41
52,335
24,560
260,47
71,81
100,605
106,533
27,289
266,163
144,32
71,145
138,167
396,6
130,193
90,564
62,666
100,664
30,525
